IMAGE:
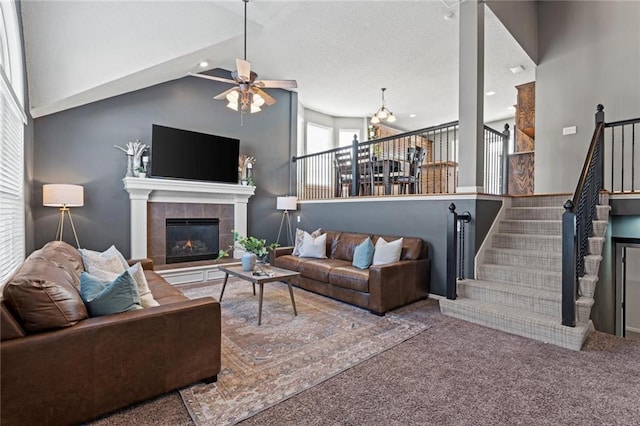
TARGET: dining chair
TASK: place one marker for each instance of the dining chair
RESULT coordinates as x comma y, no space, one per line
344,171
415,157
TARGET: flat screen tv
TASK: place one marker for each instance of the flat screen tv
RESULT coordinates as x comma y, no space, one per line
183,154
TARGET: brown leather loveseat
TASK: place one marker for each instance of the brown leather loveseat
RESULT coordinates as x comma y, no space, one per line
78,368
378,288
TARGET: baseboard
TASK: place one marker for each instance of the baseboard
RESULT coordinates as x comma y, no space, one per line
193,274
435,296
632,329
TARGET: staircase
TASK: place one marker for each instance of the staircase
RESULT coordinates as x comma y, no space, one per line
519,280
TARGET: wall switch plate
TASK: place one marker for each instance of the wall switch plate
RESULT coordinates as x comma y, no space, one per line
569,130
298,218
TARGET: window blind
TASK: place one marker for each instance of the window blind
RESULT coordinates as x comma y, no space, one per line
12,222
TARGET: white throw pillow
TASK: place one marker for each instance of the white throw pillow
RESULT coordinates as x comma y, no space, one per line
136,271
387,252
110,260
299,237
314,247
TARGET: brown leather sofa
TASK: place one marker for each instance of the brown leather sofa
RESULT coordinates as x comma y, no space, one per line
378,288
88,367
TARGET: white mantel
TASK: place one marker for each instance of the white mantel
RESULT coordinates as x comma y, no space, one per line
143,190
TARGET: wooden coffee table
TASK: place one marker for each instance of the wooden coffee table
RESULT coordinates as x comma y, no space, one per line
278,275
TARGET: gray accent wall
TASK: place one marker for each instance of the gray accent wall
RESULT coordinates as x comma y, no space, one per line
426,219
76,146
589,54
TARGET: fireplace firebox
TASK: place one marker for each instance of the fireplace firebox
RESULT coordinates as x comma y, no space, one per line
192,239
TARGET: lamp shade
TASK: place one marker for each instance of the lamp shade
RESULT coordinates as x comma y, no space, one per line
287,203
61,195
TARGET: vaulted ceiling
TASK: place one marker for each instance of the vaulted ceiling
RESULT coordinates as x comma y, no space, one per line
340,52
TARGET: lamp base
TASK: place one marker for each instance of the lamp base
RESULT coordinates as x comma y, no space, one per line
285,216
60,229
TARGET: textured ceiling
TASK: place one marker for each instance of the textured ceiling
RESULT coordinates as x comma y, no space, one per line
340,52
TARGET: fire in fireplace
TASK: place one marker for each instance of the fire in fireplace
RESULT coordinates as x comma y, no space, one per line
192,239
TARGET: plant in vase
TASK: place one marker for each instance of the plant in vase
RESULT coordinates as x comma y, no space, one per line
141,172
255,248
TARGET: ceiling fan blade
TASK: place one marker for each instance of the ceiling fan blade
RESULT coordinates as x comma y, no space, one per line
277,84
244,69
267,99
211,77
223,95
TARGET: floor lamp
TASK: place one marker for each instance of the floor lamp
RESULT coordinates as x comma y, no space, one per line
287,204
63,196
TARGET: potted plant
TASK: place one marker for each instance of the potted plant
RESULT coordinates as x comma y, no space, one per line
141,172
255,248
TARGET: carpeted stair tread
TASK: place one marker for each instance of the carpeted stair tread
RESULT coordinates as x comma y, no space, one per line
525,298
527,241
548,213
554,200
523,277
539,242
536,326
534,259
543,227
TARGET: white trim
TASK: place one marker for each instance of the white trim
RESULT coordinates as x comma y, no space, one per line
624,195
471,189
632,329
193,274
400,198
436,296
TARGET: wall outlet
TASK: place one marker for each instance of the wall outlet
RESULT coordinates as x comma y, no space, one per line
298,218
569,130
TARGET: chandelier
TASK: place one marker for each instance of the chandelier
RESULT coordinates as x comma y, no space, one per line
383,114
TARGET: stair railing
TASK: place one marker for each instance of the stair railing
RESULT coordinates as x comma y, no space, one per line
577,221
455,249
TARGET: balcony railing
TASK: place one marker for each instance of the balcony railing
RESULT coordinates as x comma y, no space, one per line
419,162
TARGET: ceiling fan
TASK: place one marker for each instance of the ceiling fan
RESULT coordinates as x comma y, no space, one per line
248,95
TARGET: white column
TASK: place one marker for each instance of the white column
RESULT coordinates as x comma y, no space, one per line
138,199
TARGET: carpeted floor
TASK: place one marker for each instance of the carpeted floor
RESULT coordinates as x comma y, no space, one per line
456,373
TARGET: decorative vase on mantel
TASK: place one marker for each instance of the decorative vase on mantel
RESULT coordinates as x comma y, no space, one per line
248,261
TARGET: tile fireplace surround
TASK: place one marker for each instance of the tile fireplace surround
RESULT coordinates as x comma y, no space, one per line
191,199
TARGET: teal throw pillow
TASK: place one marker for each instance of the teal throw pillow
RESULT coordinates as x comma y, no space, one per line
363,254
109,297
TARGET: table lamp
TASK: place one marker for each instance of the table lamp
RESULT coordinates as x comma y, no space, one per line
288,203
63,196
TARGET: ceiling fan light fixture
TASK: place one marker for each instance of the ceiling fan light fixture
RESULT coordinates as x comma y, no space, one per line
255,108
233,106
233,96
257,100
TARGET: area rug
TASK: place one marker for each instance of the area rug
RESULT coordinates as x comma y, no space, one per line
264,365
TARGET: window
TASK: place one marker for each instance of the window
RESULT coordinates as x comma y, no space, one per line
12,119
345,136
319,138
317,169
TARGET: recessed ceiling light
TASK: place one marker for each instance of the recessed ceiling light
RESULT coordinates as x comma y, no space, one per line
412,115
516,69
491,93
203,64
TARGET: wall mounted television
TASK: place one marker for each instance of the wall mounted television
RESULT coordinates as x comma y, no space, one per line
184,154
